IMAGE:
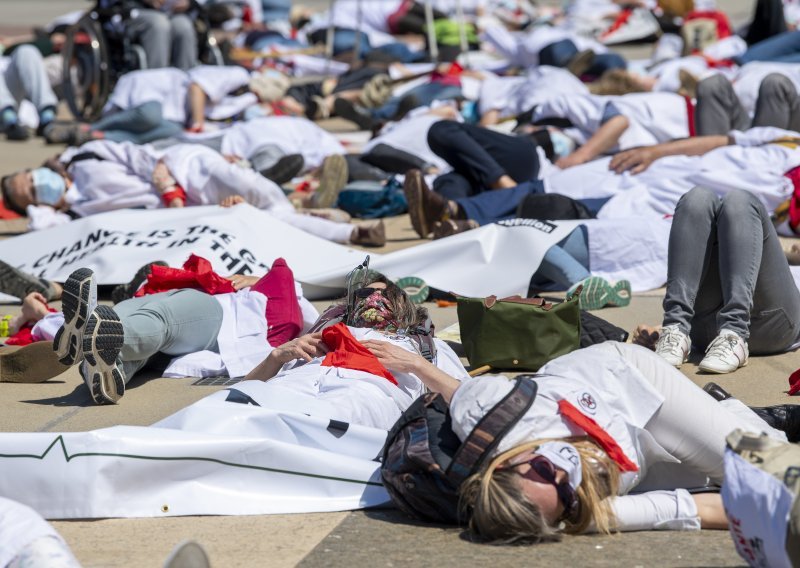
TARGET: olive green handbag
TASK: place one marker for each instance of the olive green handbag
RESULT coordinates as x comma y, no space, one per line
516,333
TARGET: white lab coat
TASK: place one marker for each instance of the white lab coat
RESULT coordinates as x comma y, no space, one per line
623,388
170,87
293,135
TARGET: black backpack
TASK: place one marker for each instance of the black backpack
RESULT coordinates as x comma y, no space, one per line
424,462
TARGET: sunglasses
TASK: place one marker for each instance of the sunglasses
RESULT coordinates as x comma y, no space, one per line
566,494
363,293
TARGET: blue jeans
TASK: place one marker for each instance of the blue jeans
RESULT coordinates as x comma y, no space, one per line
565,263
559,54
784,48
498,204
425,94
726,270
140,125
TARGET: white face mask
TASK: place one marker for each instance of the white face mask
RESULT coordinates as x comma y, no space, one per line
48,185
563,145
564,456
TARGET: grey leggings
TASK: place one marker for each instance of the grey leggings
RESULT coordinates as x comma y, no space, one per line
176,323
719,110
726,270
140,124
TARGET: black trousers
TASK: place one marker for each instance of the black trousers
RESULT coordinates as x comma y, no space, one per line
768,21
479,157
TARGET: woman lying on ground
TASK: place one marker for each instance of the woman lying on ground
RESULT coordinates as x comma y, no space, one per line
608,421
259,338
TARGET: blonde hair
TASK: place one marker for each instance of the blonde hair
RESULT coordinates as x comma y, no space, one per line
616,82
499,513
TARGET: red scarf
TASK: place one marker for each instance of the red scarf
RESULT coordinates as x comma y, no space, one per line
346,352
596,433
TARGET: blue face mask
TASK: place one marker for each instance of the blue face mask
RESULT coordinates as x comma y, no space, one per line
49,186
563,145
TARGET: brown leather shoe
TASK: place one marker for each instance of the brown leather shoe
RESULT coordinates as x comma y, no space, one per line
372,235
450,227
424,206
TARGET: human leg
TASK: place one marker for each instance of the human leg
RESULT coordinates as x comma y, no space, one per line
176,323
26,78
140,124
183,42
768,21
391,159
778,104
565,263
558,53
483,156
761,303
772,49
691,245
490,206
690,424
718,109
152,30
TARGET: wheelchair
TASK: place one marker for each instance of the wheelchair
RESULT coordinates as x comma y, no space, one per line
99,49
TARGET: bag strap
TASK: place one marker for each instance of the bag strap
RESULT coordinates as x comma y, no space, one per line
491,429
333,315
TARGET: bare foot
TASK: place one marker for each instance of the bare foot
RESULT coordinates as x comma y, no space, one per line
646,336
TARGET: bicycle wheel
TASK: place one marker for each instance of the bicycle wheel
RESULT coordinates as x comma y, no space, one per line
86,74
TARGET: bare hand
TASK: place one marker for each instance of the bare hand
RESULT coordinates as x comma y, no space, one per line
635,160
176,202
232,200
240,281
305,347
393,357
646,336
179,6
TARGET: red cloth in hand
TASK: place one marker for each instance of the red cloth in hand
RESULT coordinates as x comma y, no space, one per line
596,433
196,274
348,353
284,317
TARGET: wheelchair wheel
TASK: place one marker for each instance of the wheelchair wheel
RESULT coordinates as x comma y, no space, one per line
86,74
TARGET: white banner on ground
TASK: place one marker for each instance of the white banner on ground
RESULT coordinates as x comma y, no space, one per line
496,259
215,457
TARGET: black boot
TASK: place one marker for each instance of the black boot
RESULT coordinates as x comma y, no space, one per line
784,417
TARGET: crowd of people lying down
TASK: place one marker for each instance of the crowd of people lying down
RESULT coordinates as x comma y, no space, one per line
463,116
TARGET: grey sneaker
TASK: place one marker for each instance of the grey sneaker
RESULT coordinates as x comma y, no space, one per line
77,302
673,345
725,354
15,282
102,342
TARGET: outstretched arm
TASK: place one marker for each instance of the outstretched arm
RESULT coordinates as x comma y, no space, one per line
398,359
639,159
601,142
197,108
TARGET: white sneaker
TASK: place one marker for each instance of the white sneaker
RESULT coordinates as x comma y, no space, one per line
639,24
725,354
673,345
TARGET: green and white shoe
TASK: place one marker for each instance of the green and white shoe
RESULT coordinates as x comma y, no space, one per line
598,293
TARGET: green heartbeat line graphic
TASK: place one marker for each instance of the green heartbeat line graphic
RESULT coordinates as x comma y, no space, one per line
69,457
